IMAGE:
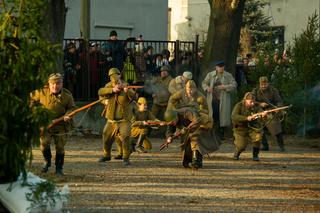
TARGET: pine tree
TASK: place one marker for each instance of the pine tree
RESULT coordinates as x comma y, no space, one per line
255,27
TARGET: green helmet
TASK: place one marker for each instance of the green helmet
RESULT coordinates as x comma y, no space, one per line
170,115
113,71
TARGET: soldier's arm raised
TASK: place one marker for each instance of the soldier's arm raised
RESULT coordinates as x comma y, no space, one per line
104,91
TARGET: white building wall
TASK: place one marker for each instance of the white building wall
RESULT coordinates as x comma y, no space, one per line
292,14
128,17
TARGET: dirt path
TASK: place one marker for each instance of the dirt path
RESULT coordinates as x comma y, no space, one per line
156,181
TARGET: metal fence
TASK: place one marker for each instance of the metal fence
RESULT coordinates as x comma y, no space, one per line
86,63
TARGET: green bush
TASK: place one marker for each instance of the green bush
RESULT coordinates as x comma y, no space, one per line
26,59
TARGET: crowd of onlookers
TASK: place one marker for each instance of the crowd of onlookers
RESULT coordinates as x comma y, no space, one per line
85,69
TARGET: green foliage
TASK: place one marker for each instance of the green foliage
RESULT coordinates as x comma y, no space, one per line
42,194
297,78
256,21
26,59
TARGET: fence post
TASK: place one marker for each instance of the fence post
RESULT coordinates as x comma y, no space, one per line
196,58
177,55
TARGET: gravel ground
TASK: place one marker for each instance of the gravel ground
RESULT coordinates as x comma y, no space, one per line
156,181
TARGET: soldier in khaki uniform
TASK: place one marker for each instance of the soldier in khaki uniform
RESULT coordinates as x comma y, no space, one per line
193,99
139,126
160,92
268,97
190,96
243,123
118,113
60,102
188,121
179,82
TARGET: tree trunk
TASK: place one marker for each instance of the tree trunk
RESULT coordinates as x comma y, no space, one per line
223,33
54,25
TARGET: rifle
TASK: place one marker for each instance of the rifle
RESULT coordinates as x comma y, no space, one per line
73,113
166,143
259,114
158,123
134,87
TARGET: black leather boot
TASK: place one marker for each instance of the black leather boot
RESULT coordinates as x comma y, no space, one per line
236,155
196,159
264,142
47,157
255,153
140,148
280,142
59,164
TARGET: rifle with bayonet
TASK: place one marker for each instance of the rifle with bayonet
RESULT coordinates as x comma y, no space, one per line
260,114
73,113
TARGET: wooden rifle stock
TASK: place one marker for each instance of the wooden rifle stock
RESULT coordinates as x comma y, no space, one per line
73,113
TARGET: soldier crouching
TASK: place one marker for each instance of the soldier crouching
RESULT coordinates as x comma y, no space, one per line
118,114
244,123
60,102
188,122
140,127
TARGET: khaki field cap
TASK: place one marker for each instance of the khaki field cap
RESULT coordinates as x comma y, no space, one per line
263,79
55,77
187,75
113,71
142,100
249,96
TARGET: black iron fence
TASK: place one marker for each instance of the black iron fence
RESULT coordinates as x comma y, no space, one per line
86,63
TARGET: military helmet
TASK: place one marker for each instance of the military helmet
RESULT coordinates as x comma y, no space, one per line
170,115
113,71
142,100
191,84
165,68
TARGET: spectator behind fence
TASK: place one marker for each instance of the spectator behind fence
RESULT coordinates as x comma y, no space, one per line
140,61
95,62
150,62
115,52
71,67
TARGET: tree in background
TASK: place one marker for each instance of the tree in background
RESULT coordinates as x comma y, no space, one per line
26,59
297,78
223,33
255,26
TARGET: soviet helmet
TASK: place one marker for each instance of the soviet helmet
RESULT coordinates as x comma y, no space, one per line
113,71
142,100
170,115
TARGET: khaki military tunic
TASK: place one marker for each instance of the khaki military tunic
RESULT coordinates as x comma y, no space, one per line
208,141
160,96
270,95
118,113
60,105
243,130
137,127
187,118
176,84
